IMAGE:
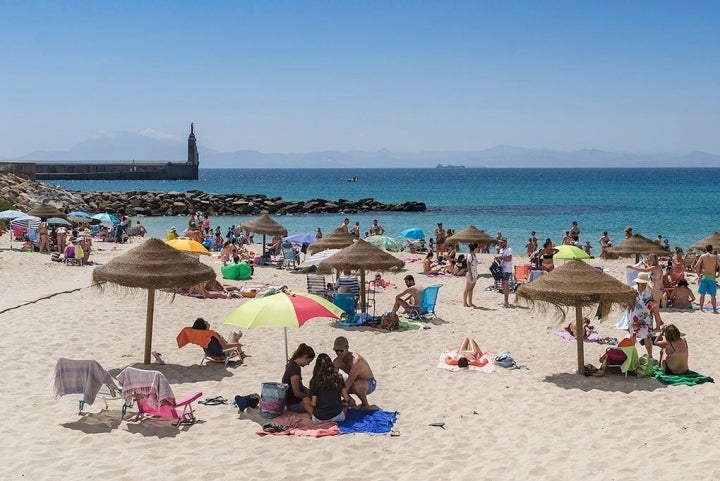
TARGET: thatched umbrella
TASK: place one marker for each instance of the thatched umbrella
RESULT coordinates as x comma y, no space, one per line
153,265
361,256
713,240
47,211
472,234
337,239
637,245
264,225
577,284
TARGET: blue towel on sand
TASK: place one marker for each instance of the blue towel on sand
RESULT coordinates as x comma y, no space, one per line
375,422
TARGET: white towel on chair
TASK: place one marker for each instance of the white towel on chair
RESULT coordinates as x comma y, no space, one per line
151,385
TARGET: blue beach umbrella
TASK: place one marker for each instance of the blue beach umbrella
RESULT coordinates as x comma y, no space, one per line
106,218
79,216
11,214
301,238
413,233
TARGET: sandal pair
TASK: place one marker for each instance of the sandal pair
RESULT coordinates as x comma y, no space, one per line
214,401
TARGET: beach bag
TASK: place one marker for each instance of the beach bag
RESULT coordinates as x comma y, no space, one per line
390,321
505,359
272,399
646,368
244,402
496,270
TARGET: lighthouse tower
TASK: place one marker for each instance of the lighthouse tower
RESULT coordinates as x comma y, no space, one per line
193,157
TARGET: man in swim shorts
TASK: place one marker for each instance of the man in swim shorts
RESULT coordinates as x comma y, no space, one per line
707,268
358,376
410,298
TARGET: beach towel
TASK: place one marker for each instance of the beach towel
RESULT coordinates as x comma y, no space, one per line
201,337
593,337
373,422
690,378
151,385
298,425
707,308
486,358
81,377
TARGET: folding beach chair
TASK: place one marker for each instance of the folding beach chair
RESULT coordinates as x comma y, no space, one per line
154,397
522,273
624,357
209,341
290,257
86,377
316,285
346,302
427,303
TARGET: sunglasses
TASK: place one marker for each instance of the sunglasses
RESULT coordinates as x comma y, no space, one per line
339,351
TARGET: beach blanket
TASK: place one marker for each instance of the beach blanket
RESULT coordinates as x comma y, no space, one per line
373,422
707,308
296,424
690,378
486,357
593,337
81,377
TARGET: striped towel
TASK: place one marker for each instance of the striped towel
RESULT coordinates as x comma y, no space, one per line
86,377
142,384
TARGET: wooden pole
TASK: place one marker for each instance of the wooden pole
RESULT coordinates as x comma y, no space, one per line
363,303
580,338
149,324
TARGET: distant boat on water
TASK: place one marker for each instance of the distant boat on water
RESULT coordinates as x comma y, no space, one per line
352,179
449,166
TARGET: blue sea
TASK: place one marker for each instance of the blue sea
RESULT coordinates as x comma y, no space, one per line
677,203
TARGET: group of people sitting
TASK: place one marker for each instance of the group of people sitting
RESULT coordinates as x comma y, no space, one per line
327,397
448,263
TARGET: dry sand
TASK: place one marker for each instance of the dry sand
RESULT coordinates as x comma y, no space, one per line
537,423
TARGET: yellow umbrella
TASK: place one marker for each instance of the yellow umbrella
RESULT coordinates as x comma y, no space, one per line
189,246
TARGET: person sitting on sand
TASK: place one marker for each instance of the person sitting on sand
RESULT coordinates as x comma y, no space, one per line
360,380
587,328
329,398
429,268
459,269
297,398
673,350
379,282
218,344
410,298
682,296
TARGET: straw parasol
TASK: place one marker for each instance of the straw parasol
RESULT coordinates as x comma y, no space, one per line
472,234
46,210
153,265
713,240
337,239
361,256
264,225
637,245
577,284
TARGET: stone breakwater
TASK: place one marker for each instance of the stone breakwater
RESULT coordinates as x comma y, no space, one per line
25,194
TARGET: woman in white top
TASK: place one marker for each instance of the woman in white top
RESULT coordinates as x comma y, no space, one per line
471,276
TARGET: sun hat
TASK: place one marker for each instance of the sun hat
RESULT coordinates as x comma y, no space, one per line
642,278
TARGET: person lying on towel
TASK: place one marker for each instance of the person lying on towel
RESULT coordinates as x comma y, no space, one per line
587,328
469,354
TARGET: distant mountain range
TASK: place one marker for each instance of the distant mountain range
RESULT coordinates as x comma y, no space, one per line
127,146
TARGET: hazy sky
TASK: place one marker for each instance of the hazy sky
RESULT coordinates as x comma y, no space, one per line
301,76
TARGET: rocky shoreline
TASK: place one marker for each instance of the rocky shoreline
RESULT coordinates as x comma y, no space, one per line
25,194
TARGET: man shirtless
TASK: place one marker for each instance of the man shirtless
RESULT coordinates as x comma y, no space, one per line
707,268
410,297
360,380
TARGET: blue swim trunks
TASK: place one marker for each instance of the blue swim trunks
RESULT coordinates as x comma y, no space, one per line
372,384
708,286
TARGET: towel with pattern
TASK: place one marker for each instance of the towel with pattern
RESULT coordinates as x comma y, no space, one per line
295,424
150,385
86,377
448,361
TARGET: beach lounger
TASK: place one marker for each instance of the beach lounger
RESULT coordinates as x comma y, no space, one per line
154,397
522,273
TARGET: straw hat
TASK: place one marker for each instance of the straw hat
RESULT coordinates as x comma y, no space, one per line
642,278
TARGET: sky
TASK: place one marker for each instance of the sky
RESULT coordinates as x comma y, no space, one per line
408,76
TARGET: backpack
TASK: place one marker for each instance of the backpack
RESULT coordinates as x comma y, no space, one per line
496,270
390,321
505,359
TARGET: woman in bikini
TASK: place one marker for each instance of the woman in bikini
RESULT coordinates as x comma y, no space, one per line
678,264
546,254
43,232
674,350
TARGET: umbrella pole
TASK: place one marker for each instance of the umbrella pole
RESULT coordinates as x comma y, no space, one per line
287,356
149,324
363,305
580,338
263,254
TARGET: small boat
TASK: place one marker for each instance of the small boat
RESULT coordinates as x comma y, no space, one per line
449,166
352,179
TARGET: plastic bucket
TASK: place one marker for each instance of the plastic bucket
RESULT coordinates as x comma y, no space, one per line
272,399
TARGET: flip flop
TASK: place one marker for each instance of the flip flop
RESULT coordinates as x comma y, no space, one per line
394,434
213,401
437,425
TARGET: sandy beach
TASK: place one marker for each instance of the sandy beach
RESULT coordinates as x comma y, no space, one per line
542,422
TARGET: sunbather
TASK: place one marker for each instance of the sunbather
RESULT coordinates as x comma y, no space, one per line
587,328
673,350
234,341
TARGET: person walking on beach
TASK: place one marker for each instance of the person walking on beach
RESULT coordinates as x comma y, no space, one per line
44,234
471,276
505,256
575,232
707,268
440,236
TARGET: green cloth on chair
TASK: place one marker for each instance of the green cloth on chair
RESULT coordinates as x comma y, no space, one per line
690,378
